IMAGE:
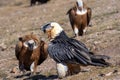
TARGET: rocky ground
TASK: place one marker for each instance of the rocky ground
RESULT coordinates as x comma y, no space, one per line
17,18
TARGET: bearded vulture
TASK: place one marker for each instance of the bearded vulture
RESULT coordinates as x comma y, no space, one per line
30,52
79,17
66,50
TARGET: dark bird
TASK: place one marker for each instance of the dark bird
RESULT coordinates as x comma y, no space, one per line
30,52
79,16
67,50
33,2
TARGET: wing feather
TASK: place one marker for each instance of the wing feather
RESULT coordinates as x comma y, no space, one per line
68,51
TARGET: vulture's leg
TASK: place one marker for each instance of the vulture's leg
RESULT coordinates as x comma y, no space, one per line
32,66
76,31
62,70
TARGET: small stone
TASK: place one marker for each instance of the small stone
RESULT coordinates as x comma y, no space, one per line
115,71
3,47
101,75
14,70
109,74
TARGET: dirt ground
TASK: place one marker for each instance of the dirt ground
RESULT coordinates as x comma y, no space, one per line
17,18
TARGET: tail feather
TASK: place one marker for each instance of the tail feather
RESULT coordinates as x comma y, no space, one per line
99,60
99,56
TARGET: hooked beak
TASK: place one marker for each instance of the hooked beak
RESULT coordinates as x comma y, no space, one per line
42,29
31,46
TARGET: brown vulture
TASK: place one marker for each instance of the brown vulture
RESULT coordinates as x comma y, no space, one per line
79,16
30,52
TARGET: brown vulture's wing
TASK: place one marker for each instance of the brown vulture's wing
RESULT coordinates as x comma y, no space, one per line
18,49
43,52
72,15
89,14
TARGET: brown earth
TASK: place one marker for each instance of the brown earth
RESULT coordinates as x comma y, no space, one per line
17,18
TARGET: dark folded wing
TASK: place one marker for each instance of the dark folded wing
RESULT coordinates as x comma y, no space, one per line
89,14
18,49
69,52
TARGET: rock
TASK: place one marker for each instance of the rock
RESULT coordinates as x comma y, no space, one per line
115,71
14,70
3,47
101,75
109,74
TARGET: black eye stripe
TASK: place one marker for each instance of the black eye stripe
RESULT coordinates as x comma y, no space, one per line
45,27
47,24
